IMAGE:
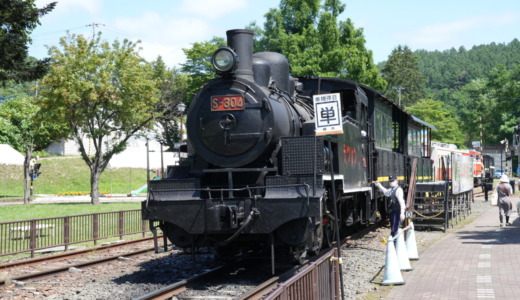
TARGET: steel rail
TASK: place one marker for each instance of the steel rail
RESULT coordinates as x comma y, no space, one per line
78,265
68,254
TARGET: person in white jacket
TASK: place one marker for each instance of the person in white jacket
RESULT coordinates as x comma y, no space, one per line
397,205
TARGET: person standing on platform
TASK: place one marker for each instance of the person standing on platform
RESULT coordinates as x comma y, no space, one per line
505,206
397,205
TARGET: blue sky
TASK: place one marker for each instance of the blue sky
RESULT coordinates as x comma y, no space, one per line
166,26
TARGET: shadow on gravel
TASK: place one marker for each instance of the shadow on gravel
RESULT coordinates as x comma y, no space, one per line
168,269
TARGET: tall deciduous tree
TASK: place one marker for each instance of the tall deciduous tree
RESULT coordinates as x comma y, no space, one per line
504,86
104,92
173,87
435,113
405,82
21,127
309,34
18,18
198,64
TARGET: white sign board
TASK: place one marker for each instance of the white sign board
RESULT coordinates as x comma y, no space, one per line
462,173
327,114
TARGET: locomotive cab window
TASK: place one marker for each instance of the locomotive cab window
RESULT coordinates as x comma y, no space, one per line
348,103
414,140
383,127
353,104
419,137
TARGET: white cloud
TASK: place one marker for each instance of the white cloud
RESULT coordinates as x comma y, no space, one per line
172,55
212,9
164,29
164,36
445,35
92,7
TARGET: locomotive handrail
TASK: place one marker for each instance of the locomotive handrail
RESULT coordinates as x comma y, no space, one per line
239,170
232,189
248,188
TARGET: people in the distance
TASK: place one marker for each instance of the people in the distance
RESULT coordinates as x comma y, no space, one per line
505,206
397,205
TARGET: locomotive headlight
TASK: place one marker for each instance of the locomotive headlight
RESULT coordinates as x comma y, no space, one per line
224,60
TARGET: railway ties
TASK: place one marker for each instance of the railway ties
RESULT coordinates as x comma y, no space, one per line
248,280
69,261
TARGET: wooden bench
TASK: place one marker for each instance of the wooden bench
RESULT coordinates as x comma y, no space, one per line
25,230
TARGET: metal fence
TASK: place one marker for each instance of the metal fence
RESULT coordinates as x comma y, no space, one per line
38,234
320,280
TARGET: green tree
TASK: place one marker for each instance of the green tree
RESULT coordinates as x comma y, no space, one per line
198,65
405,82
446,121
18,18
173,87
20,127
104,93
504,86
476,109
316,43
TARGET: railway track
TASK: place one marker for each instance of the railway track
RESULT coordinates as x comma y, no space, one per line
242,280
212,284
254,282
31,269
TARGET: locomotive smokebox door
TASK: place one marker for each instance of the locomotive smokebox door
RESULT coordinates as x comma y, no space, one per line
234,121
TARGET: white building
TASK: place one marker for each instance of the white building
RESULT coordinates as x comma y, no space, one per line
134,156
9,156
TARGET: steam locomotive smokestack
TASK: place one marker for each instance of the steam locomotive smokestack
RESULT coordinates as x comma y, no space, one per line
241,41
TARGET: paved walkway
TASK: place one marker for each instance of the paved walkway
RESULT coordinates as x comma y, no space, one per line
479,261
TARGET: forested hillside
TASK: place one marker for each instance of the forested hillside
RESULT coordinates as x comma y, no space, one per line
465,92
454,68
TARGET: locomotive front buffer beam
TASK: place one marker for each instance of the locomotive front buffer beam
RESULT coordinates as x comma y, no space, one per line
226,217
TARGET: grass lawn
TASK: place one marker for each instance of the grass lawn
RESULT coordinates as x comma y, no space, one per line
39,211
69,175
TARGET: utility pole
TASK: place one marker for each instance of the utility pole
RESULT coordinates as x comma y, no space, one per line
399,89
481,137
94,25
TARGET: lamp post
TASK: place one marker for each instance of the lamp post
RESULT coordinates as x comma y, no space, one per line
181,108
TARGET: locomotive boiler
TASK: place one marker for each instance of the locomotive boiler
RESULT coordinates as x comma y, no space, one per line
257,177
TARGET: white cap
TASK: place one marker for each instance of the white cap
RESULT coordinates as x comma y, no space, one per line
504,178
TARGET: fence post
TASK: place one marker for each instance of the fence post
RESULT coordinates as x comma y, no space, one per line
66,232
143,227
32,237
95,224
121,224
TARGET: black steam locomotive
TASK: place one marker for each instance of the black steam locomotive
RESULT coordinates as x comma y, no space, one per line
257,176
